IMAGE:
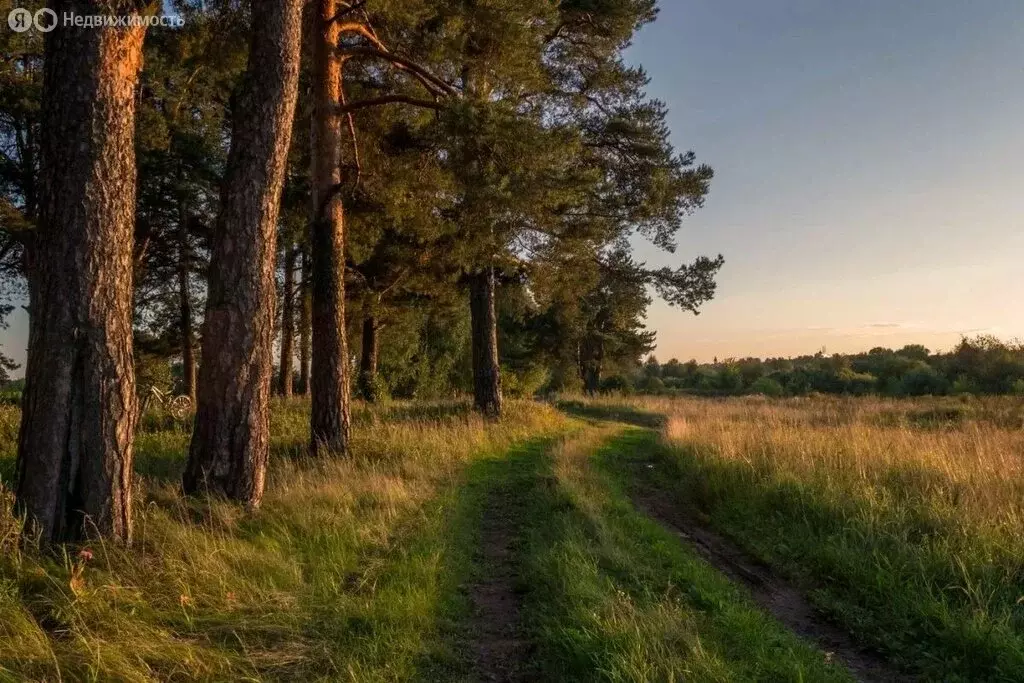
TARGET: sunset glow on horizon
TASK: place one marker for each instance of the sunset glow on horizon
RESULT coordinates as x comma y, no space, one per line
869,163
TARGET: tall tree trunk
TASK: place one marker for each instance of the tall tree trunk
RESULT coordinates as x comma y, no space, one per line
486,370
230,443
188,352
368,359
79,410
288,321
329,420
305,324
591,362
592,377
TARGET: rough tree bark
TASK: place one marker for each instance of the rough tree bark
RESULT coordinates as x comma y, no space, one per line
368,359
230,443
79,409
329,380
591,377
486,370
188,351
288,322
305,324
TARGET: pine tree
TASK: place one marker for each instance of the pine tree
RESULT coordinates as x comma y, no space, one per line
74,465
182,151
342,33
329,377
400,242
230,444
21,82
557,150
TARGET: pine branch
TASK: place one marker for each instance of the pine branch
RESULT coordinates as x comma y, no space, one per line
434,84
389,99
349,8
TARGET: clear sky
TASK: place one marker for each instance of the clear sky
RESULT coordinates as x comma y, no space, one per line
870,170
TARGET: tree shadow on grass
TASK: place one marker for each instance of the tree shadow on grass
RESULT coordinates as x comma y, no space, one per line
160,456
161,463
415,412
613,413
403,603
388,602
530,567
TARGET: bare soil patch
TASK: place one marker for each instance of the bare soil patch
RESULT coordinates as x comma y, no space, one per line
500,653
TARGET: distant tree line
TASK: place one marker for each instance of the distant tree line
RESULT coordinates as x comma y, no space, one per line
978,365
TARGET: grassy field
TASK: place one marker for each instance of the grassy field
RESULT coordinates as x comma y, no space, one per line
448,548
346,572
385,566
903,520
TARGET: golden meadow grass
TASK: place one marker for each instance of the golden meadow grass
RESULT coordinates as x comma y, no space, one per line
902,517
357,568
963,460
636,600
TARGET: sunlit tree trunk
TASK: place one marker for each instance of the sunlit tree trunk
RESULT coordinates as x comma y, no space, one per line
230,443
486,370
329,380
74,464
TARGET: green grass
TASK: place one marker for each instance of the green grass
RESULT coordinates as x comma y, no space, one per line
347,572
357,568
611,596
906,532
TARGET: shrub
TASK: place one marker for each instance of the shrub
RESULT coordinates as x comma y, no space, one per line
857,383
378,389
526,383
965,385
651,385
152,371
766,386
923,380
616,383
730,379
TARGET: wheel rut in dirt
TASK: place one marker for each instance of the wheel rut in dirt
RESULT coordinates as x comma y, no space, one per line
499,650
771,592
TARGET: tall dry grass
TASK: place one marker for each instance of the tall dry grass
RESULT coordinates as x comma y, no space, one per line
905,518
965,462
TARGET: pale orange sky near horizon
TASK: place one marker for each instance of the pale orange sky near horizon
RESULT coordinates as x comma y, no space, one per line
869,162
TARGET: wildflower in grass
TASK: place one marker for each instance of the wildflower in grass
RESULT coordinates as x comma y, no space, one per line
77,581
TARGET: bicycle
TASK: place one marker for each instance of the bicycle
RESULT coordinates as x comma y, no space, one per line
175,406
